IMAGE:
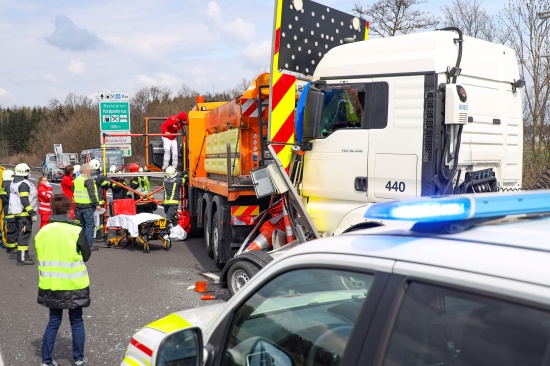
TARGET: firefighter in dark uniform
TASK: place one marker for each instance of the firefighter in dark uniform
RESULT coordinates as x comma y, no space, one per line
118,191
23,205
172,194
7,177
103,184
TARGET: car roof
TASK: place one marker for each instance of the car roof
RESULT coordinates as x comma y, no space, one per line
516,247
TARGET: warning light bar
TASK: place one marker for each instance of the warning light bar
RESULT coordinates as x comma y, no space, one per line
462,207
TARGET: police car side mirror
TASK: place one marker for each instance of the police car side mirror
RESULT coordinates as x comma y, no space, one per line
183,347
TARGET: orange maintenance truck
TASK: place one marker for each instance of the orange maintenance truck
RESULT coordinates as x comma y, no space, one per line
223,143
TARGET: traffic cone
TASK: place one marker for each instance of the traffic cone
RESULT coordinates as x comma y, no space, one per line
290,237
264,240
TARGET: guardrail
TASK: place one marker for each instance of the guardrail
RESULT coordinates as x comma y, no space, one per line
11,166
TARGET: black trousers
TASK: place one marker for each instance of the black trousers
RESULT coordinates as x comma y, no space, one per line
19,231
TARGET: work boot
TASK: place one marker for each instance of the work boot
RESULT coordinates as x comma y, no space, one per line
23,258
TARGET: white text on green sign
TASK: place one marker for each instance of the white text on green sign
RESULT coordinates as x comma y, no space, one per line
115,116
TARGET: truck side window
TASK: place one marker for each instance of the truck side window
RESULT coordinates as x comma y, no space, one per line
303,317
356,106
440,326
376,105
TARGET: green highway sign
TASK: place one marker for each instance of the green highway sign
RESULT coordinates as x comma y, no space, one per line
114,115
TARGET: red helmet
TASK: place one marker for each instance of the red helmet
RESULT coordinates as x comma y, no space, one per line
182,116
134,167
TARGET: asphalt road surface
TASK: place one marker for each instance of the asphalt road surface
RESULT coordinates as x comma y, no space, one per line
128,288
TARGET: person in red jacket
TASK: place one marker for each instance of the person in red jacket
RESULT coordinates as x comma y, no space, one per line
45,193
170,143
67,186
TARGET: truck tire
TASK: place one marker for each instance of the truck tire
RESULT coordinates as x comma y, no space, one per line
239,274
207,225
217,232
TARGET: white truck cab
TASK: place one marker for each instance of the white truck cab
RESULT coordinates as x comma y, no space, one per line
415,115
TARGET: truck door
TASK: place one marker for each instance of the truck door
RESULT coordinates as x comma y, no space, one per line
395,144
335,168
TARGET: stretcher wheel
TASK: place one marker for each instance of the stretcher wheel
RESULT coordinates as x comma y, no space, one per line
146,248
167,244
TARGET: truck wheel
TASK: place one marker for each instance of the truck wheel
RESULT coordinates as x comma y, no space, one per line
208,234
239,274
217,232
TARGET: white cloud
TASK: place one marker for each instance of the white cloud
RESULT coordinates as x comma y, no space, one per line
258,53
237,30
77,67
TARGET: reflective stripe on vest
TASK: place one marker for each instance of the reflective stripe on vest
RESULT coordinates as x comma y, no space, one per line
60,267
81,195
171,191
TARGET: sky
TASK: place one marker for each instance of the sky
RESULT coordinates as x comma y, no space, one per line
50,48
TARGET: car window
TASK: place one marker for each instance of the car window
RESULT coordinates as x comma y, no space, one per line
440,326
302,317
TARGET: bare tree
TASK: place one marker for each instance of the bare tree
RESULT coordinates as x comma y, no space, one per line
388,18
471,18
524,32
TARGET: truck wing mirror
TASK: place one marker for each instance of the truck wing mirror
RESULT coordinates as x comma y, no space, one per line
183,347
313,114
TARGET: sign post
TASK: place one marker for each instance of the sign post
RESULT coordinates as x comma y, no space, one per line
114,117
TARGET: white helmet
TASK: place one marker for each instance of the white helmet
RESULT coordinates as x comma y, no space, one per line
171,172
140,170
113,169
7,175
94,164
22,170
76,169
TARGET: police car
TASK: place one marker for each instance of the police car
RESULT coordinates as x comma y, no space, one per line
461,280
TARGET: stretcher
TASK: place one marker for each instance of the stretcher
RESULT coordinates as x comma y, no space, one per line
137,228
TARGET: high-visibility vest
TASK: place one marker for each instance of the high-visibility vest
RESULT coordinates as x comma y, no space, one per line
60,266
81,195
143,183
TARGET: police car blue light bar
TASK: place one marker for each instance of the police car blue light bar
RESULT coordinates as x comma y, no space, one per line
462,207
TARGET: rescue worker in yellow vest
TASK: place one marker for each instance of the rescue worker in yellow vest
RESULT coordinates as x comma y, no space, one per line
86,201
172,187
102,184
7,177
63,282
23,206
141,184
